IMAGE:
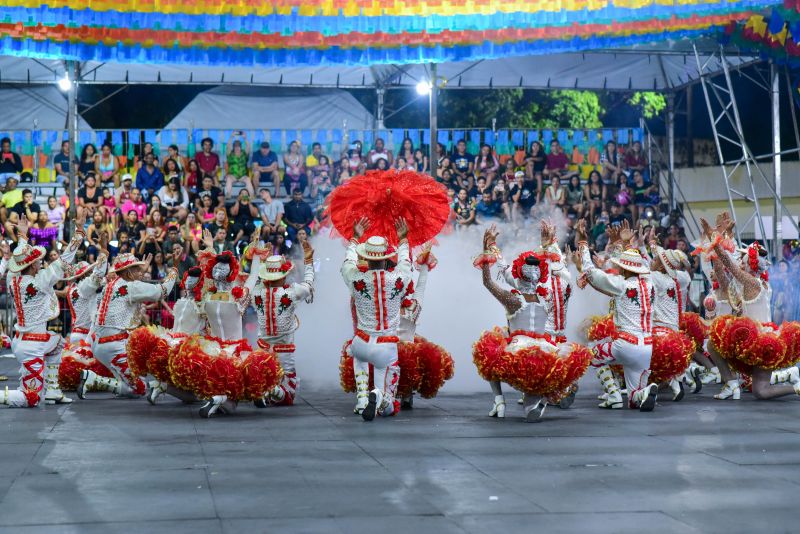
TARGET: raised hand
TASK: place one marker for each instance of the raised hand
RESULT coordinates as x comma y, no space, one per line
360,227
308,252
706,227
80,219
613,234
22,226
490,237
148,260
580,230
402,228
208,240
626,234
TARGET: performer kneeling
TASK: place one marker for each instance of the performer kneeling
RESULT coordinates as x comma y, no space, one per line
378,294
37,350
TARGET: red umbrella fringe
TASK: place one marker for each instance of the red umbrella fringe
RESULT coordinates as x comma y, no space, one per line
261,371
383,196
693,326
672,353
224,377
602,327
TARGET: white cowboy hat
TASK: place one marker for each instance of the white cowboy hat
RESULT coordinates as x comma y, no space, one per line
670,259
631,260
375,248
274,268
24,256
125,261
80,269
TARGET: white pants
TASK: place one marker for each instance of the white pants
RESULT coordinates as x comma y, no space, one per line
38,369
114,356
635,361
286,357
386,371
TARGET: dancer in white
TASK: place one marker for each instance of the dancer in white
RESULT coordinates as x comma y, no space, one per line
275,304
378,295
120,313
82,299
37,350
632,345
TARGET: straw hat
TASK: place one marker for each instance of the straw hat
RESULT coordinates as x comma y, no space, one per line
125,261
25,256
670,259
631,260
274,268
375,248
81,268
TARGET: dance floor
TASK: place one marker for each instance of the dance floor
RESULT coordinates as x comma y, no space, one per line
107,465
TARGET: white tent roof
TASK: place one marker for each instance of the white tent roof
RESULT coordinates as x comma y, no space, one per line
45,105
252,107
663,67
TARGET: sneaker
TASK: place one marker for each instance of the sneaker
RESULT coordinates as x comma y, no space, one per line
375,399
677,389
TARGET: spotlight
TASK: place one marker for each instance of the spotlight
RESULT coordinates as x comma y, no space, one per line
64,83
424,88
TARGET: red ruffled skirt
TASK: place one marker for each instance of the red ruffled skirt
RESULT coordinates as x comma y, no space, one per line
531,370
74,359
695,327
745,343
149,350
208,366
672,354
424,368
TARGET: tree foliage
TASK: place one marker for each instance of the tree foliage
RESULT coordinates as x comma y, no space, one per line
649,103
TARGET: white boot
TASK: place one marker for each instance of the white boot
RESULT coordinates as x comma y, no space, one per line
613,396
646,398
90,381
499,408
712,376
373,404
732,388
53,393
217,404
677,389
790,375
693,377
361,370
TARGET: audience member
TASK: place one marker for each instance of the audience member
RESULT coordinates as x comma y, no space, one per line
208,161
297,215
10,162
294,170
463,166
61,165
87,163
149,178
107,166
236,169
379,152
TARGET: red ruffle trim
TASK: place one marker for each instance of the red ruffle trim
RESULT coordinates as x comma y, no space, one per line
602,327
76,358
148,353
693,326
672,353
746,344
531,370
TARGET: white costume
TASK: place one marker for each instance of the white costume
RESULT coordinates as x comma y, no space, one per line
119,313
83,300
35,303
378,296
277,322
632,345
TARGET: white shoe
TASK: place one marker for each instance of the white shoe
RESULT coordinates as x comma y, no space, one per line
87,381
790,375
56,397
602,396
521,401
375,400
360,405
214,405
155,390
677,389
732,388
647,398
712,376
694,377
499,408
534,413
613,401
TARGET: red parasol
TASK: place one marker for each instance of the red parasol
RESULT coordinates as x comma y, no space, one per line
382,197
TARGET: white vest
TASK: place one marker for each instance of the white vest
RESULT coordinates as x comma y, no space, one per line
34,305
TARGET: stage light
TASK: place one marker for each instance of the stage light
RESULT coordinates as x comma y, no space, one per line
424,88
64,83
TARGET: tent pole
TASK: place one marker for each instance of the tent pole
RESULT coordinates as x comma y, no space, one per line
432,157
775,100
671,148
72,125
381,93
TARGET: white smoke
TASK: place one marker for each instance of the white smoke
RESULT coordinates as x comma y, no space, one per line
455,311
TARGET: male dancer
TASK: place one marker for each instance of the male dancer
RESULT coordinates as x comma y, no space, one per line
118,314
633,295
275,304
37,350
378,294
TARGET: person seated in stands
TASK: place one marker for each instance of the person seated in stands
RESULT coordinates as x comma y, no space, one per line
535,160
265,168
463,166
487,210
10,227
87,162
612,164
406,150
464,210
107,166
171,170
644,194
27,207
191,178
208,189
554,194
149,177
486,165
271,212
61,165
557,162
635,160
89,196
134,203
443,162
10,162
321,184
244,214
355,159
236,165
523,196
420,161
382,165
11,197
595,193
294,170
501,195
510,171
312,160
56,215
208,161
617,215
147,148
108,205
173,153
175,199
576,201
379,152
297,214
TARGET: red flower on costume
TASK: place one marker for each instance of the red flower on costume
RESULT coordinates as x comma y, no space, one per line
406,303
30,292
363,268
285,302
361,287
541,291
212,289
259,301
74,294
671,293
633,295
398,288
237,292
120,292
715,285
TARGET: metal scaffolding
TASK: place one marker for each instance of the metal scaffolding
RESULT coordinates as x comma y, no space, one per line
726,126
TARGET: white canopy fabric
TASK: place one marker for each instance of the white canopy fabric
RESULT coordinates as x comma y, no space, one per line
252,107
44,105
661,67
